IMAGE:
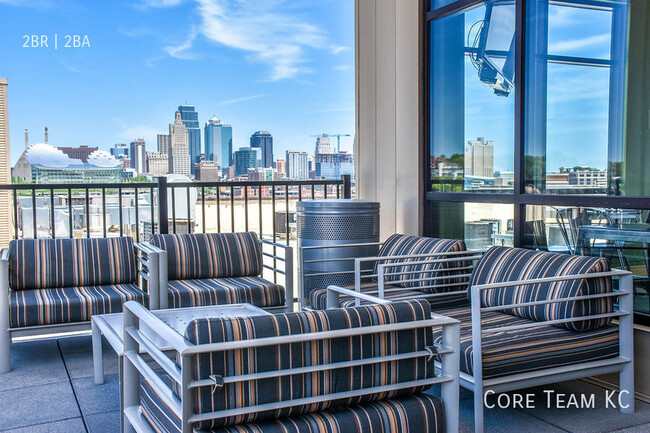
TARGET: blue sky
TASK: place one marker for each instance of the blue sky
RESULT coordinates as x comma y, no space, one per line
282,66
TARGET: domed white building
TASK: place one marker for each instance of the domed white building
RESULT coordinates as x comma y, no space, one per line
43,163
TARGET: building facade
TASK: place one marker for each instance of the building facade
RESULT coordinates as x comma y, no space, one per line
138,156
157,163
163,143
5,169
218,143
120,149
479,158
81,153
323,144
281,167
208,171
263,140
245,158
190,119
297,165
179,154
334,165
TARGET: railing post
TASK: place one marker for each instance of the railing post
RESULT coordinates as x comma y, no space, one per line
347,186
163,212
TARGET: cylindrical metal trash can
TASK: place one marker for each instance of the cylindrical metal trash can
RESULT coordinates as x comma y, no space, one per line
323,223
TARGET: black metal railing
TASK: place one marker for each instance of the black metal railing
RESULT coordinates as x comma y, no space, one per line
140,209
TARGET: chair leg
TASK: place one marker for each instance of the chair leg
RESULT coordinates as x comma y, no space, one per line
626,379
98,362
5,351
478,410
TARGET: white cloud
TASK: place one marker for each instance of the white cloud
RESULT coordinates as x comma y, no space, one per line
244,99
343,68
158,3
182,51
577,44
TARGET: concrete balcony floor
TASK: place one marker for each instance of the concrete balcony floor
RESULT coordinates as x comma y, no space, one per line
51,389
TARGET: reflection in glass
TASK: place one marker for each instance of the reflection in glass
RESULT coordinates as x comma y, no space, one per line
575,230
472,101
574,107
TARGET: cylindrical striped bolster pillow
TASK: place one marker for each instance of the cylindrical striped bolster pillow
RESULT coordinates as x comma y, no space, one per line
309,354
59,263
505,264
401,245
210,255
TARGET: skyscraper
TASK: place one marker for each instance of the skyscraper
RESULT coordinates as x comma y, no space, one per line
5,170
218,143
245,158
138,156
163,143
263,140
297,165
190,119
281,167
157,163
179,155
479,158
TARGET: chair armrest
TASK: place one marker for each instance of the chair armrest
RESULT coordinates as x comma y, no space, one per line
334,293
149,259
287,269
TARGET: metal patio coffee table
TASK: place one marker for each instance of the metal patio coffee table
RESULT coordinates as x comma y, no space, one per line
112,327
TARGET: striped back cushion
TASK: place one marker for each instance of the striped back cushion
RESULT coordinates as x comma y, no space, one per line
211,255
401,245
58,263
277,388
503,264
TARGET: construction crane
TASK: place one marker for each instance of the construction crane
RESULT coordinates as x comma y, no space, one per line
338,139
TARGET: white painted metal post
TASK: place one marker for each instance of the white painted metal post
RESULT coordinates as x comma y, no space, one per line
288,278
130,386
450,362
5,333
477,367
98,364
626,342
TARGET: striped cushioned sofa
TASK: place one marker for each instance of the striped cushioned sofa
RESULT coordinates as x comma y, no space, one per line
539,318
408,267
54,285
316,371
221,268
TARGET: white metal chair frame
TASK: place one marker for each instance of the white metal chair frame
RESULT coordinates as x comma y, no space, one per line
147,262
136,346
622,364
382,275
286,259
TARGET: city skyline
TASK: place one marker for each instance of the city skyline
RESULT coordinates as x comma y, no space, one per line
116,95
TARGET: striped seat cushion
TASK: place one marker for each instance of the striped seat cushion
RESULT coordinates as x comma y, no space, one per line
309,354
218,291
54,263
503,264
400,245
529,349
318,298
69,305
420,413
211,255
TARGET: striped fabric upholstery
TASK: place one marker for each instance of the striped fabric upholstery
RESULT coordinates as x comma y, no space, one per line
71,304
529,349
218,291
297,355
419,413
503,264
318,298
55,263
400,245
211,255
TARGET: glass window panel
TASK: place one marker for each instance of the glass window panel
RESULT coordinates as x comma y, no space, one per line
472,100
558,229
480,225
580,32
